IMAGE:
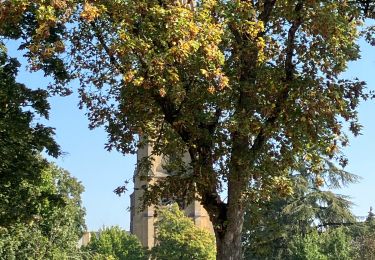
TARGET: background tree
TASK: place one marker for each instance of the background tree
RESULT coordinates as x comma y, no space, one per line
329,245
250,89
178,238
21,142
363,234
41,214
54,232
115,243
271,227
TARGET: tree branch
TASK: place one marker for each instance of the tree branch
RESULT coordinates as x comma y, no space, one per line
289,76
267,11
102,41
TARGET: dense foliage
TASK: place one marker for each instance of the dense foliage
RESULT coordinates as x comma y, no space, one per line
330,245
41,214
113,243
354,241
250,89
21,142
271,227
363,235
296,239
54,232
179,239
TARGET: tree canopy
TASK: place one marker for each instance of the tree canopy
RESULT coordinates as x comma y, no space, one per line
329,245
41,213
178,238
22,140
54,232
272,226
114,243
250,89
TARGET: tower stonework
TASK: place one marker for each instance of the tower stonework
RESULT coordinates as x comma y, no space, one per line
142,222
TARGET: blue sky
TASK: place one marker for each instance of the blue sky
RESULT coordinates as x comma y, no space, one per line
101,171
360,152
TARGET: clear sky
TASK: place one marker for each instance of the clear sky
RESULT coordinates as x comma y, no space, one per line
101,171
361,151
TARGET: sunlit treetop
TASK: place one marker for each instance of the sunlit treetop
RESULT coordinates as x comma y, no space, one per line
202,70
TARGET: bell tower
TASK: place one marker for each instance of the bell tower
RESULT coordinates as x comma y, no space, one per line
142,223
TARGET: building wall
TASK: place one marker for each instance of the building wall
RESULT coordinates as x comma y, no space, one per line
142,223
84,240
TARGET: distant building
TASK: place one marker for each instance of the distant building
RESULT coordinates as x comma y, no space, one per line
142,223
85,239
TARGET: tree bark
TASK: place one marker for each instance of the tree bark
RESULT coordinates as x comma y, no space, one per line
227,217
228,244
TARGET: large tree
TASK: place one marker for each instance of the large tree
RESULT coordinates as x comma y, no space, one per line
249,89
41,214
22,139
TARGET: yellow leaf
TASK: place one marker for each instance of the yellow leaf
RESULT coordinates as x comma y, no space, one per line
162,92
211,89
138,81
204,72
90,12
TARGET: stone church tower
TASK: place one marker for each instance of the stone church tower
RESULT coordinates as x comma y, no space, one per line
142,223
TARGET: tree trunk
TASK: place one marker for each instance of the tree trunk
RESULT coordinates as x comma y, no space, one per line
228,229
227,217
228,243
